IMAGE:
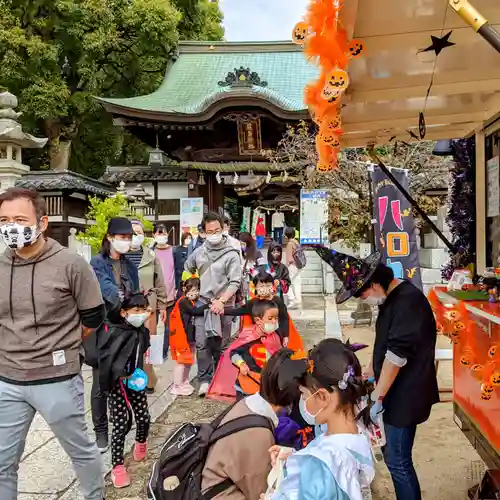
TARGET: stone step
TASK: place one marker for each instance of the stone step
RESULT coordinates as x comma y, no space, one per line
433,258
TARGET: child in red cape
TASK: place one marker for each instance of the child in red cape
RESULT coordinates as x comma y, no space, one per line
238,373
265,288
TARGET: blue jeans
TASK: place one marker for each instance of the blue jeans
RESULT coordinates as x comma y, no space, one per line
398,458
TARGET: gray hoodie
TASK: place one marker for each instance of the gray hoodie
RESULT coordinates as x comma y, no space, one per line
40,300
219,267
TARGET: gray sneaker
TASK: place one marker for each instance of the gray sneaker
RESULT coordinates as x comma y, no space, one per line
203,390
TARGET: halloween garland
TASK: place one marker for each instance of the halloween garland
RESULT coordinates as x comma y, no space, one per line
325,43
459,326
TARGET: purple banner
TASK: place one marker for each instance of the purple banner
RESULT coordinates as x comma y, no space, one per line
394,229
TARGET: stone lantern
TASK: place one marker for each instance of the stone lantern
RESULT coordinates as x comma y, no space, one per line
138,197
12,142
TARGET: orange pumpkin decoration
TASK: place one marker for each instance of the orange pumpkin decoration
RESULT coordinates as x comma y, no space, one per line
452,315
324,167
458,326
330,139
336,81
495,379
487,388
331,123
466,359
492,351
300,33
455,337
355,48
485,396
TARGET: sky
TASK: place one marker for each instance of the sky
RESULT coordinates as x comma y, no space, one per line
252,20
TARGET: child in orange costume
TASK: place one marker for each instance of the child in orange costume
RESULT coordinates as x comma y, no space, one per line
183,335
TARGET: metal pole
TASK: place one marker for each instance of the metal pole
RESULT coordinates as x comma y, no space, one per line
477,21
413,203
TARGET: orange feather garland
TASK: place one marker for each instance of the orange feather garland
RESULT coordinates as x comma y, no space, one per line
326,44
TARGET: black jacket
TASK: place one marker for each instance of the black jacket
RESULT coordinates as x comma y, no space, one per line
406,327
180,257
121,349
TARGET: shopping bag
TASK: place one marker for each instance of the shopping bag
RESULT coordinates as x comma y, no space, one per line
154,355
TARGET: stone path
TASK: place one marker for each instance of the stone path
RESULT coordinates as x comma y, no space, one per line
45,471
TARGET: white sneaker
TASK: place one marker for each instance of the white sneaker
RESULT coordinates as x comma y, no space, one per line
203,390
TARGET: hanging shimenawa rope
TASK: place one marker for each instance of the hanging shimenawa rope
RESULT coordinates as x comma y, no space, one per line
325,44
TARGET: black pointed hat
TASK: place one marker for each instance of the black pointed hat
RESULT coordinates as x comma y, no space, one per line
353,272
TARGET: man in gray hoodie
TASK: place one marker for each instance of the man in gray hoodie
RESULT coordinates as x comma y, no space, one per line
218,264
49,301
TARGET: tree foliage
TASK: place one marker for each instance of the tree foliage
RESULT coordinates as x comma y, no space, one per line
102,211
56,55
350,209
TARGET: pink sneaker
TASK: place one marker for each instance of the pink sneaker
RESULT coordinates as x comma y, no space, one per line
120,477
188,386
182,390
140,451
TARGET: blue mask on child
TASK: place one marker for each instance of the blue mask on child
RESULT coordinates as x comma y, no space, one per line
138,381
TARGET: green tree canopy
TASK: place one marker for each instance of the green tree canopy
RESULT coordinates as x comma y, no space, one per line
56,55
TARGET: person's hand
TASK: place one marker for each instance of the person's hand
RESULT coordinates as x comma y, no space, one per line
375,411
163,316
244,370
276,452
368,372
217,307
285,342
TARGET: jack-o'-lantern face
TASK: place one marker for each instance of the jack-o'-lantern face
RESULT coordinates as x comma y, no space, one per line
455,337
495,379
476,369
452,315
458,326
332,124
300,33
492,351
355,48
487,388
337,80
485,396
324,167
330,139
466,360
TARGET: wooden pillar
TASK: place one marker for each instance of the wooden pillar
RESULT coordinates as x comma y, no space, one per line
480,201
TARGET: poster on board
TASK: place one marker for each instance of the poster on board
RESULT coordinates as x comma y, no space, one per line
191,215
493,186
313,216
394,228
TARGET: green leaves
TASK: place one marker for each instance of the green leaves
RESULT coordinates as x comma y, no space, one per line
102,211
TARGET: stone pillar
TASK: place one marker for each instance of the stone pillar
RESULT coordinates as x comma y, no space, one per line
12,141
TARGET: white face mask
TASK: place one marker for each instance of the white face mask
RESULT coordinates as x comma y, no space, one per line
137,240
161,240
214,239
18,236
137,320
373,300
309,418
270,327
121,246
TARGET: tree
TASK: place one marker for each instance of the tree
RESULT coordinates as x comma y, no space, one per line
101,211
56,55
350,206
201,20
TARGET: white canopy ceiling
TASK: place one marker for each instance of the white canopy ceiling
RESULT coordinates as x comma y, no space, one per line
390,82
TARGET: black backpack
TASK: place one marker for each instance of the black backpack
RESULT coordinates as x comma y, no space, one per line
177,474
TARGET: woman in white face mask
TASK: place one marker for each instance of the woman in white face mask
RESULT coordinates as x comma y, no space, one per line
151,279
118,277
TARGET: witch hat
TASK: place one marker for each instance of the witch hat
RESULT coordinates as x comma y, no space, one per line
353,272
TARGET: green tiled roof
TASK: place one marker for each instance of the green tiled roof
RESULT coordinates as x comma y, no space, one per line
191,83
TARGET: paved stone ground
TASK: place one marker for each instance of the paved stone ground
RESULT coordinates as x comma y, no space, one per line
45,471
